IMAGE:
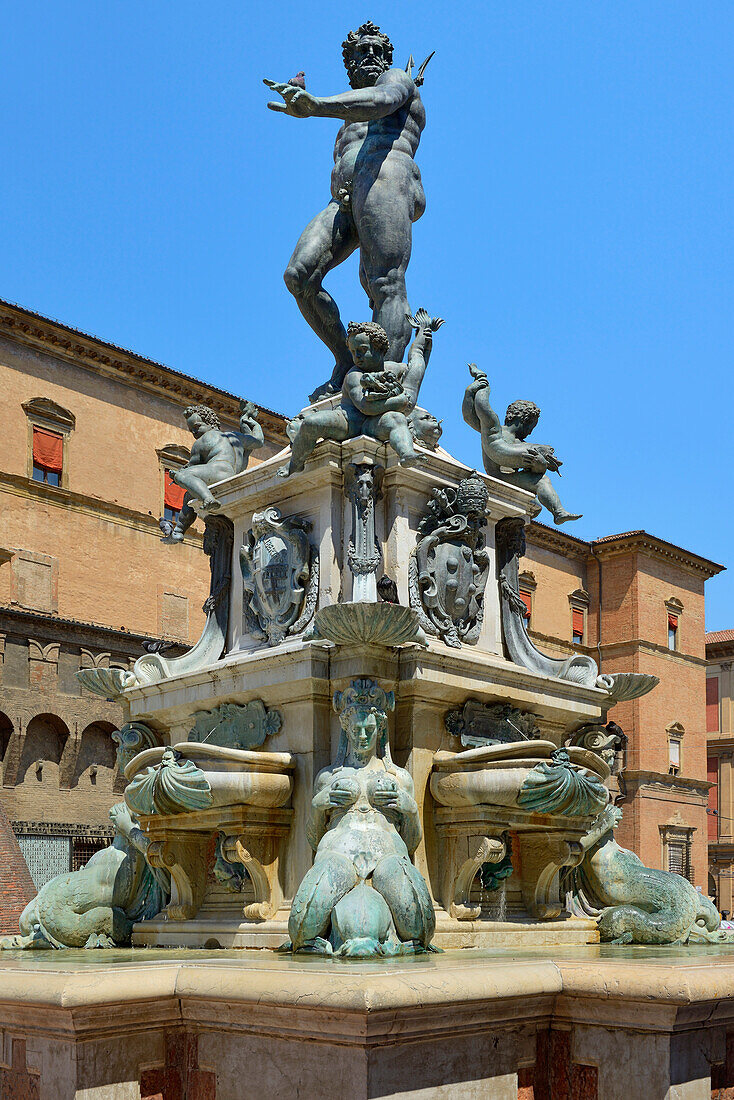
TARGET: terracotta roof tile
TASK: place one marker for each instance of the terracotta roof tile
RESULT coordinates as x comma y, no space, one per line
714,636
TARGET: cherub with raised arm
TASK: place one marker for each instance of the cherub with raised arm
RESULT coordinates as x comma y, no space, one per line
506,454
378,396
215,455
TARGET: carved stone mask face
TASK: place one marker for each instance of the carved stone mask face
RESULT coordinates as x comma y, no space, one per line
367,62
364,355
362,728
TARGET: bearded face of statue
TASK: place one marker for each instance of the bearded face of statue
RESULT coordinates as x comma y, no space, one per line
367,61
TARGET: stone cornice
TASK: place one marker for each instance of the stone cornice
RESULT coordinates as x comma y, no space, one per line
63,342
561,644
58,629
537,534
641,542
661,781
22,486
633,645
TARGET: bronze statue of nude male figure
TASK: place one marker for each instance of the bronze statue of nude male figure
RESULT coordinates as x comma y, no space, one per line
376,195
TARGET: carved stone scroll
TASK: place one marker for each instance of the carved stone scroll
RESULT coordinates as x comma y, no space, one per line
184,857
542,857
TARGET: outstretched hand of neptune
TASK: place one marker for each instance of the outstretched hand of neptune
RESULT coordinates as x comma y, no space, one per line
297,101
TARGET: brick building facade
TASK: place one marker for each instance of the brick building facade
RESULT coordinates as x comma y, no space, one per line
635,603
720,736
90,432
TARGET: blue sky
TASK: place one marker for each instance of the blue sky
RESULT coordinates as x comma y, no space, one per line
578,238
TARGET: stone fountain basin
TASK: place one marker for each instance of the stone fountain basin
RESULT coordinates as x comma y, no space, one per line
236,776
493,774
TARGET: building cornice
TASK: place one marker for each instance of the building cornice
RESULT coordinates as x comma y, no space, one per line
637,645
640,542
661,781
63,342
58,496
546,538
54,627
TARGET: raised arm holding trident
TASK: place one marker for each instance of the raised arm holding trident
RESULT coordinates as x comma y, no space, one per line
376,195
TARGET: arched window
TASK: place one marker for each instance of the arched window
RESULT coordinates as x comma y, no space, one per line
43,747
97,757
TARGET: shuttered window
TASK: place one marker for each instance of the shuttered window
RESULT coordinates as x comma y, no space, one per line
672,631
173,496
712,704
48,456
527,599
679,857
577,625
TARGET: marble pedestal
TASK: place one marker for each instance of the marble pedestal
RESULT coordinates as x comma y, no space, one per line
298,677
584,1023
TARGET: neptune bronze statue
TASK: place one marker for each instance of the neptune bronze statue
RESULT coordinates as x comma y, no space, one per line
376,195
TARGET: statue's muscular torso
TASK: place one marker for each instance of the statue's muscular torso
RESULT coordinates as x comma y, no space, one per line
382,149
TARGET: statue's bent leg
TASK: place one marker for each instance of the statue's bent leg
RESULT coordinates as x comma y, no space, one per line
549,498
403,888
385,230
393,428
325,243
197,479
329,424
330,878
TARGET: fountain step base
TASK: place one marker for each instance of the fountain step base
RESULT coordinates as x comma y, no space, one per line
489,934
450,933
213,934
570,1023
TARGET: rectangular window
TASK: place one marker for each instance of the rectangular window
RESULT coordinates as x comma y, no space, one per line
712,774
712,704
527,599
577,626
674,755
173,496
48,456
83,848
672,631
679,857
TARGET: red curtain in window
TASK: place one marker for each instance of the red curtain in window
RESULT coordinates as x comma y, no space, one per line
48,450
672,622
174,494
712,704
578,621
712,774
527,599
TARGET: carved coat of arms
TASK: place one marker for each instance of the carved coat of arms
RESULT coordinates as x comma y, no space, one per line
281,576
449,567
